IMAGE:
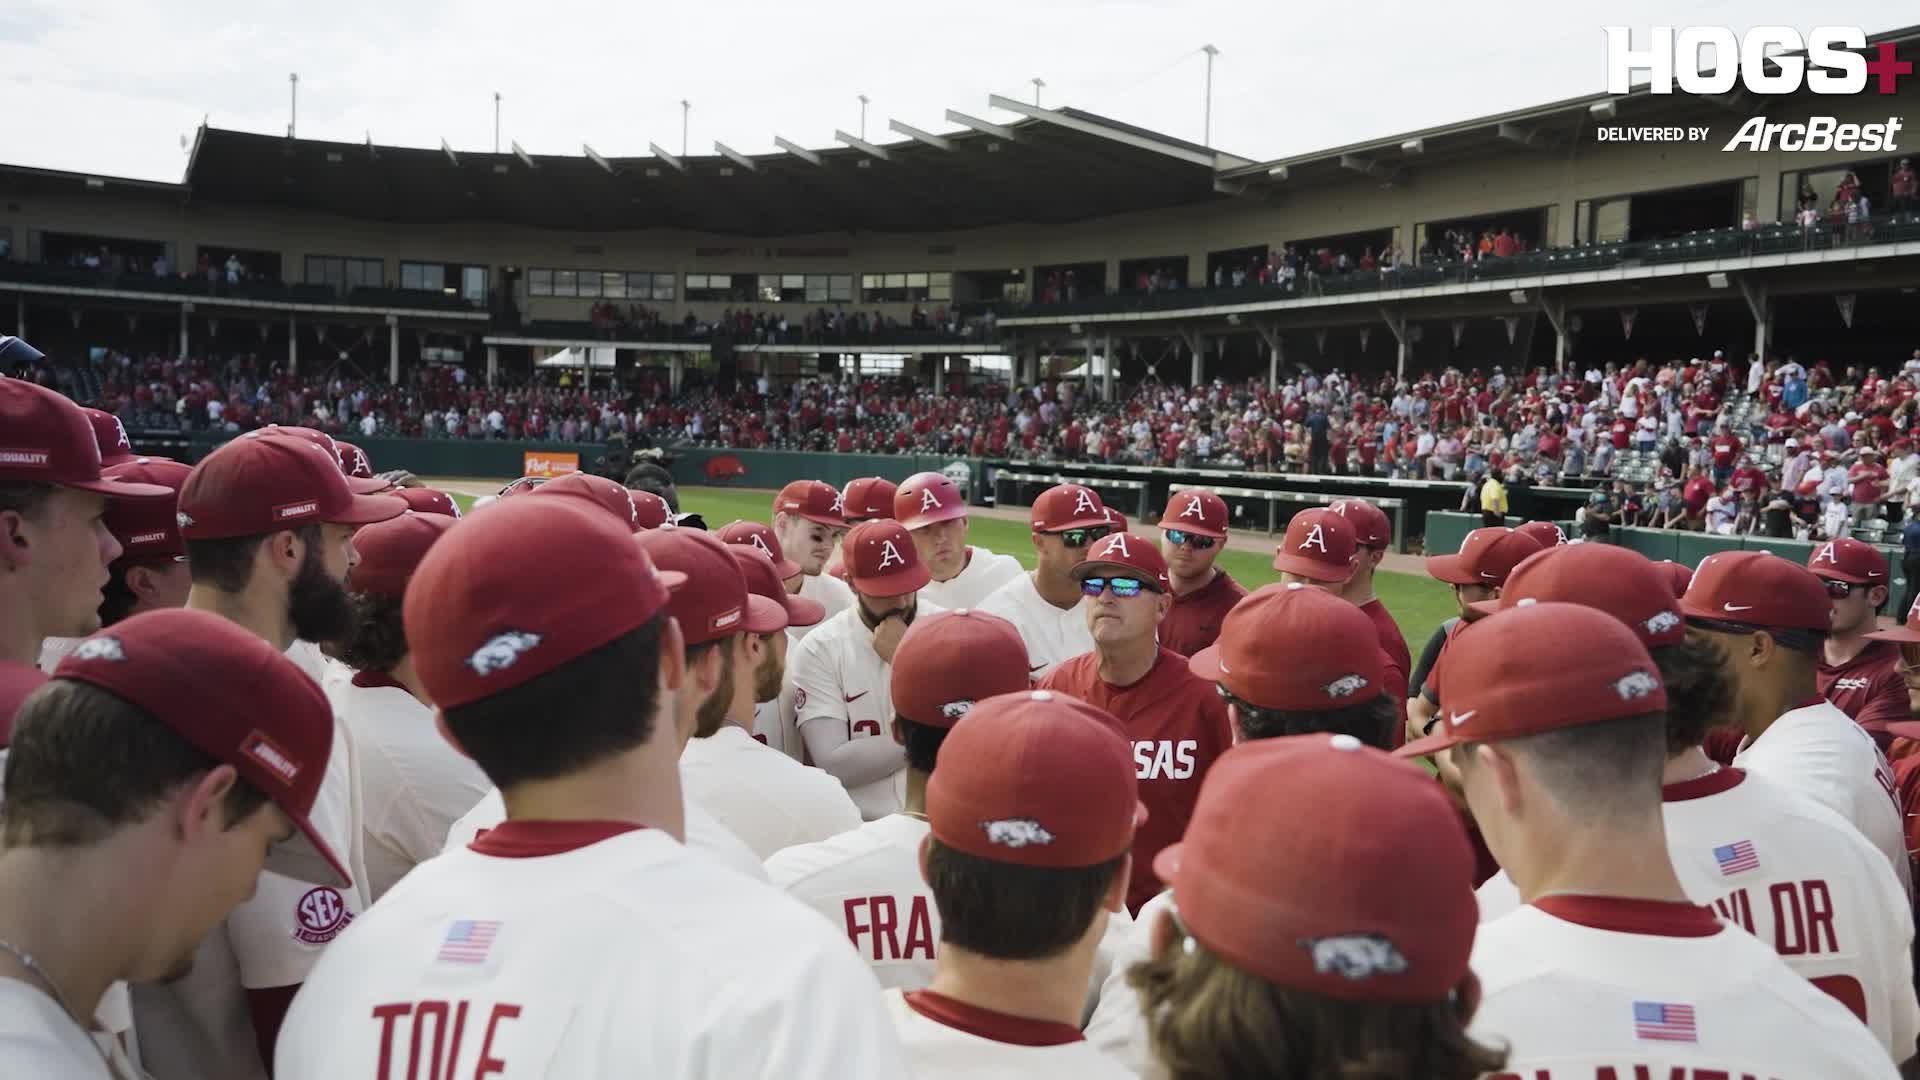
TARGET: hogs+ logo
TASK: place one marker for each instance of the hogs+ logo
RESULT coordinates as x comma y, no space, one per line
320,916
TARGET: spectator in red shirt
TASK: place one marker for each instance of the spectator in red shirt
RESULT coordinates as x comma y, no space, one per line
1867,481
1725,447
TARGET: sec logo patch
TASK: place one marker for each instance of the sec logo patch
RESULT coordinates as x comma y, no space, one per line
799,697
320,916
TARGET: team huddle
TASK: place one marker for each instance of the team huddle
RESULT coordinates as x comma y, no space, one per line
307,776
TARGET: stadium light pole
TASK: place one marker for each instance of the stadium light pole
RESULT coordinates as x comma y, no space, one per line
686,108
863,117
496,121
293,101
1037,84
1206,124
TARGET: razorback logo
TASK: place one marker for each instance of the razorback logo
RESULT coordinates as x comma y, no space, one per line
100,648
182,519
1826,554
929,501
1355,956
1346,686
1636,684
1083,502
1016,832
759,542
1662,622
839,505
1315,538
953,710
1117,543
725,467
502,651
1195,509
889,556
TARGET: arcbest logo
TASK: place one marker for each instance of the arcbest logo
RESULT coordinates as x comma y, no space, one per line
1766,60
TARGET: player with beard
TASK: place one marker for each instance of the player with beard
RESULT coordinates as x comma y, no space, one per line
268,524
766,798
143,803
151,573
774,722
840,672
807,520
932,509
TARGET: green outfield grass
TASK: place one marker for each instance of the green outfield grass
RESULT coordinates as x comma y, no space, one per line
1418,603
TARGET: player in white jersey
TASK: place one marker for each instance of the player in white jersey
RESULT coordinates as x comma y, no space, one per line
840,672
579,937
1046,604
762,796
807,519
774,720
934,511
1766,617
413,785
1030,816
1784,868
268,523
144,798
1555,718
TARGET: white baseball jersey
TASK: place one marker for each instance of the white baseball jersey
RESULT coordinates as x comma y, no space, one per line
984,573
775,724
946,1039
841,686
413,783
831,592
1051,634
571,949
761,795
1820,752
39,1041
1583,986
703,832
1118,1027
1798,877
868,881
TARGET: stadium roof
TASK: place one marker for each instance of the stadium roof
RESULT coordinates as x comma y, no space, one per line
1050,166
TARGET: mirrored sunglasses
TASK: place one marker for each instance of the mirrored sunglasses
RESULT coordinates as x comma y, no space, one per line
1122,586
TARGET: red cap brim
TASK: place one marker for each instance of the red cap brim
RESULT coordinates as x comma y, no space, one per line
1432,744
935,517
1205,664
367,509
108,461
804,610
764,616
899,583
1077,523
116,489
1901,729
1166,864
1197,530
1447,568
364,485
821,519
1486,607
787,569
1904,635
308,856
1309,568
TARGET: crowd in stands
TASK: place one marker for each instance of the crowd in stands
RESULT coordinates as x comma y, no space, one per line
821,326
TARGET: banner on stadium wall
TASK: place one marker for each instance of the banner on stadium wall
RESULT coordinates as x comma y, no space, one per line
1366,332
549,463
1459,328
1513,327
1845,301
1627,315
1320,340
1699,313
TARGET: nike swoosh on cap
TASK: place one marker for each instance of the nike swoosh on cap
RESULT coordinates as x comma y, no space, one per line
1738,607
1456,719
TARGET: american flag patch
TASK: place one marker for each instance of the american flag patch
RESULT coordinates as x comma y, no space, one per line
1663,1021
467,942
1737,857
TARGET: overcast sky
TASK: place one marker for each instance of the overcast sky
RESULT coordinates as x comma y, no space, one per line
112,86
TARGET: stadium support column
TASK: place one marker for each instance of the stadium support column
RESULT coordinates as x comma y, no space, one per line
1397,324
1758,305
677,372
1556,313
293,345
1107,386
393,350
186,310
1088,343
20,314
1270,336
493,365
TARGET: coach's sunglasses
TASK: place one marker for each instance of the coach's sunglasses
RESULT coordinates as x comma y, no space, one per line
1121,586
1197,543
1079,538
1840,590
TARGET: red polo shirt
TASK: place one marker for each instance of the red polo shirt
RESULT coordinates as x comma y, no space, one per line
1178,726
1193,622
1726,450
1868,687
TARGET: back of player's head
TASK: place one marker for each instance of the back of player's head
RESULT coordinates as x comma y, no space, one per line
1032,812
647,476
944,665
1292,659
390,551
538,629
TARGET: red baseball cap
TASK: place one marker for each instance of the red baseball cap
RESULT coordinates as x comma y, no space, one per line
881,560
869,498
1115,518
1067,506
1327,909
714,602
17,681
250,487
951,660
521,590
1758,588
1906,633
353,460
391,550
651,510
926,498
1546,532
1320,545
764,581
1619,581
602,492
1201,513
1541,667
814,500
425,500
111,436
359,485
148,528
1678,575
1131,556
761,536
46,439
1486,557
1850,560
1370,524
1295,647
261,715
1036,778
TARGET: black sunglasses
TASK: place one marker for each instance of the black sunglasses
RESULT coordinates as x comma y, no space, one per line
1840,590
1122,586
1079,538
1197,543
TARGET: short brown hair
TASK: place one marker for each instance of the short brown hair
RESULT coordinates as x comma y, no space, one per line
227,563
378,640
1207,1019
1013,912
1699,694
1372,721
84,761
24,497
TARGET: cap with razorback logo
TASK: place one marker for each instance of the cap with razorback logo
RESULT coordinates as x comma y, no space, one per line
1758,588
869,498
483,617
764,581
254,486
1320,545
1116,520
1295,647
1370,524
951,660
425,500
1486,557
1619,581
815,500
1546,532
357,484
148,528
1325,909
927,498
1036,778
1201,513
1540,667
46,439
1127,555
111,436
761,536
262,715
391,550
714,603
353,460
1678,576
881,560
650,510
602,492
1067,506
1850,560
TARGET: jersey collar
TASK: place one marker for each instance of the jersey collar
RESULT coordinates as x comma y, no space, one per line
533,839
998,1026
1655,918
1700,787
